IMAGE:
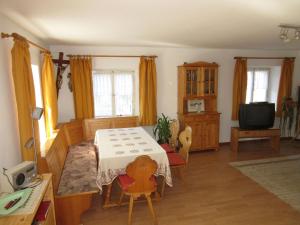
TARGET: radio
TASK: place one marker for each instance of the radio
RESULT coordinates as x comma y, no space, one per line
22,174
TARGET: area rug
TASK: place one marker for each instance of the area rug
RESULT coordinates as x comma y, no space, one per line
280,175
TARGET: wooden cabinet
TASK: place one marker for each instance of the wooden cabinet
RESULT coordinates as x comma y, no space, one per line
199,81
44,193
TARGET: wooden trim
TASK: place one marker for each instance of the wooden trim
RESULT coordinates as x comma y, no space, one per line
254,57
5,35
115,56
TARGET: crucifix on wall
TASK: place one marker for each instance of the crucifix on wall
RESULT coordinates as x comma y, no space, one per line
61,65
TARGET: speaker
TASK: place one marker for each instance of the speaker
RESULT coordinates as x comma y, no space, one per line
22,174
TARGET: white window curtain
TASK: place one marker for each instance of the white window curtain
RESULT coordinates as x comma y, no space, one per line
113,93
124,93
257,85
102,86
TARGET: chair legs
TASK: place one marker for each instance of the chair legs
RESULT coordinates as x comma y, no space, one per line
131,207
130,210
151,208
163,187
121,198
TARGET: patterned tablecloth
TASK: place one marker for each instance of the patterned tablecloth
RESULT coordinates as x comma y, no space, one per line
118,147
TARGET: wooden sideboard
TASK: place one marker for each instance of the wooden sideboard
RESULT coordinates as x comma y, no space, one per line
46,194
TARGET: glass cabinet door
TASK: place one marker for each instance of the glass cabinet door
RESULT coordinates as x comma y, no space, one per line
191,82
212,81
206,81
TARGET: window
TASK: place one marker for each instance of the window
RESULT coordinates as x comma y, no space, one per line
113,93
39,102
257,85
262,84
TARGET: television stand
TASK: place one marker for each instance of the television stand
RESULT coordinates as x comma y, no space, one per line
237,133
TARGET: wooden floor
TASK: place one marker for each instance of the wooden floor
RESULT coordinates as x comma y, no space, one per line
214,193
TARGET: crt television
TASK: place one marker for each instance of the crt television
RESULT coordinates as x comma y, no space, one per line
255,116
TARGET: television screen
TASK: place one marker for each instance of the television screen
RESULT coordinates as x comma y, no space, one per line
260,115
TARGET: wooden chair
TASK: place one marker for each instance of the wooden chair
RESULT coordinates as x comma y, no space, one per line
179,160
173,140
138,181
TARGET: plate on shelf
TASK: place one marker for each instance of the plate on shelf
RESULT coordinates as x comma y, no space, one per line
23,195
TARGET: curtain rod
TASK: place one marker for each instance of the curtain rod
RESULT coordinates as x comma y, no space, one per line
16,35
238,57
116,56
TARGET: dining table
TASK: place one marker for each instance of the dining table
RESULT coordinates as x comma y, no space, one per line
120,146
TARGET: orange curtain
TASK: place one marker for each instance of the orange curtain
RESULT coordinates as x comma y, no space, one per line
81,75
239,86
24,91
147,91
285,84
49,94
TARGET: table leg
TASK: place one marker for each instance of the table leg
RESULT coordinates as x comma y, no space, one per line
275,143
234,144
107,202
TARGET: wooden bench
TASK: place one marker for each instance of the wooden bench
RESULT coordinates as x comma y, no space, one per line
237,133
71,205
90,126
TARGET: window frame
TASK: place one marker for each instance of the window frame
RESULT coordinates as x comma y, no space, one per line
112,73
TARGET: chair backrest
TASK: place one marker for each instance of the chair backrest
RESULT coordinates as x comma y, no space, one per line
174,128
142,170
185,138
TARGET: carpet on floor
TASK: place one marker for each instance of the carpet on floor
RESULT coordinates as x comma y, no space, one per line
280,175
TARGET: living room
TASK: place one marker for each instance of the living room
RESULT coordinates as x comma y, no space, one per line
176,34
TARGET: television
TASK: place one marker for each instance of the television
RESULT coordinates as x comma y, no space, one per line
256,116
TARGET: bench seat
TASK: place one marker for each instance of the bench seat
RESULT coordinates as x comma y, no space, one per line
73,164
80,170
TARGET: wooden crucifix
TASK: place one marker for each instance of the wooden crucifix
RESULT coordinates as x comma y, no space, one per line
61,65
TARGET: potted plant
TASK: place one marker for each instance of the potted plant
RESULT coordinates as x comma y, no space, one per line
287,116
162,131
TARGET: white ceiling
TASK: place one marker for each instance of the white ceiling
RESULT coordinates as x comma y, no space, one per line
196,23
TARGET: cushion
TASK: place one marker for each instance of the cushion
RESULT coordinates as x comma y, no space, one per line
175,159
167,148
125,181
80,170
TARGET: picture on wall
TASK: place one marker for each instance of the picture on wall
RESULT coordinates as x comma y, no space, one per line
196,105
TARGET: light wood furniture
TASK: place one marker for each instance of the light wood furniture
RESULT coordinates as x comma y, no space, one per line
139,181
174,128
199,81
74,131
26,219
90,126
237,133
112,163
180,160
68,207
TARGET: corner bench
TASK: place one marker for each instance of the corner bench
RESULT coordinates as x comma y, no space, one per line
74,169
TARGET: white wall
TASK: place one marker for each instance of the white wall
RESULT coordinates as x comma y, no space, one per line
167,62
9,136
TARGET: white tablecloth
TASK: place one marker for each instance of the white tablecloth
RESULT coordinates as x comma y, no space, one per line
118,147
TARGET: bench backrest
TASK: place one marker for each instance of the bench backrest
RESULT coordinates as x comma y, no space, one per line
74,132
56,156
90,126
